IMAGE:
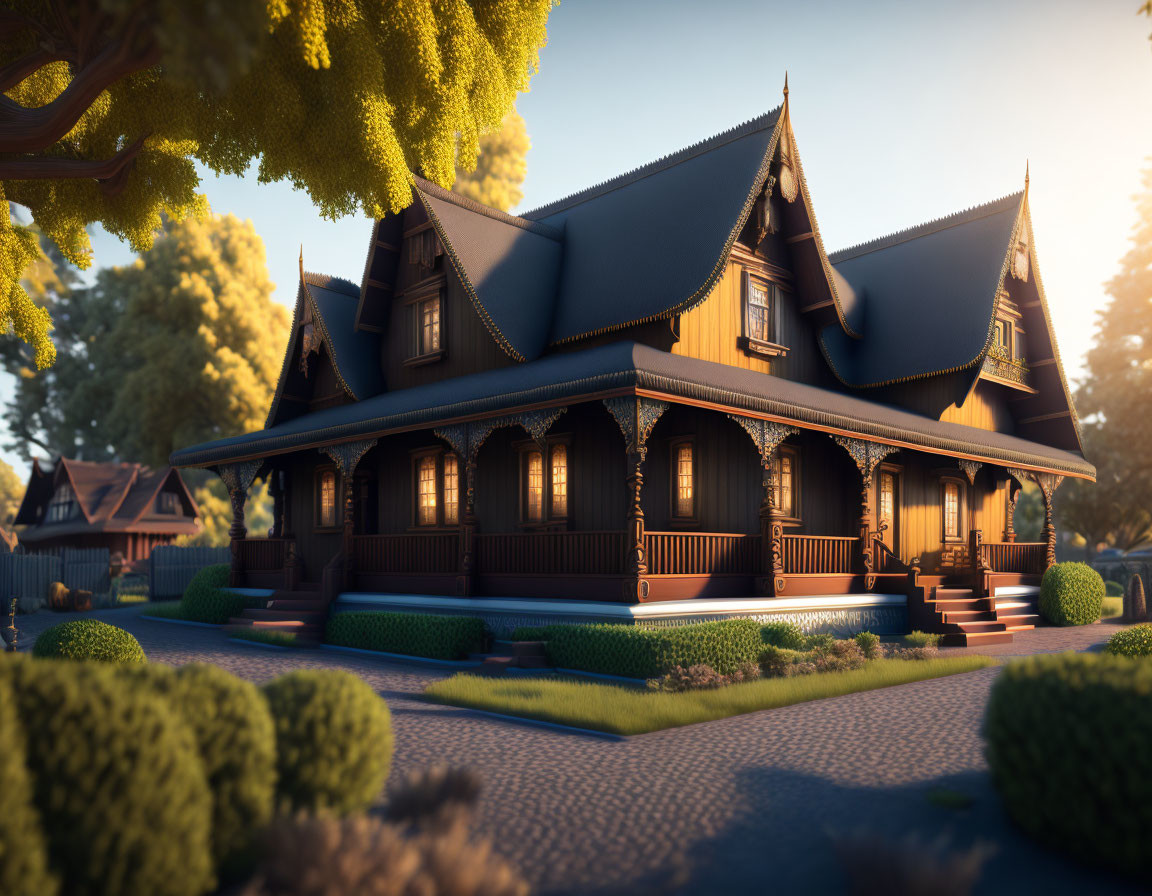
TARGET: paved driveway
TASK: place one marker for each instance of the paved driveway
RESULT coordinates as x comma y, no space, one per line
748,804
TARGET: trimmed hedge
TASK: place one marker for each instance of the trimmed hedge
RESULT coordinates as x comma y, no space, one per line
1071,594
1134,641
783,634
88,639
635,652
1067,740
23,852
333,741
124,802
207,600
232,725
417,634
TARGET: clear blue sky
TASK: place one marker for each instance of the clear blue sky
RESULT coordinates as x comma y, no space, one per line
904,111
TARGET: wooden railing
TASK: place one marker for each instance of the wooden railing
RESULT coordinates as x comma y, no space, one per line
550,553
1014,556
414,552
701,553
263,554
885,562
820,554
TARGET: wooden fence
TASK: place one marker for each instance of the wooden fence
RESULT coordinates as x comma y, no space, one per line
27,576
171,568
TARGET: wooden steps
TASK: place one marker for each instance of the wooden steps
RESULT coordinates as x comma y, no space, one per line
513,655
967,619
300,612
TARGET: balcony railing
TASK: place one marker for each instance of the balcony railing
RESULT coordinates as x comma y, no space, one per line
415,552
1015,371
1025,557
819,554
550,553
701,553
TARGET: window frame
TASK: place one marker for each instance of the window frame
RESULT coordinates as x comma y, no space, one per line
896,471
675,518
438,454
793,451
770,347
318,498
415,298
961,504
549,519
70,507
166,497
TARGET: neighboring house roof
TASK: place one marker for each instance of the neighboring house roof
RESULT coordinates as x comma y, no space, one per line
630,365
110,496
928,295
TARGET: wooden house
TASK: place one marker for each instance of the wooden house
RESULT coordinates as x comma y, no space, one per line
126,508
663,388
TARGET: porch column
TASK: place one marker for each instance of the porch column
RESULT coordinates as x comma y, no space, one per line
1048,483
867,456
346,456
276,487
635,416
767,436
237,478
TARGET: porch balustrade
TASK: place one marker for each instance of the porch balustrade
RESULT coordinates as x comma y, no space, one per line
550,553
414,552
1014,556
263,554
820,554
701,553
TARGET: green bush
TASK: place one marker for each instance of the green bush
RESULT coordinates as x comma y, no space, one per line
121,791
1113,589
635,652
207,600
333,740
1134,641
232,725
1071,594
1067,740
416,634
918,638
869,644
818,641
89,639
23,852
782,634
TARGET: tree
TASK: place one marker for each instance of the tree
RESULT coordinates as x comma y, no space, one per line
106,104
11,493
500,168
1117,427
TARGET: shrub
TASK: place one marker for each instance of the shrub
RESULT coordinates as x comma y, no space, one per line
1135,608
418,634
869,645
1067,739
1113,589
782,634
530,633
232,726
270,636
23,853
927,652
1071,594
333,740
207,600
121,791
840,656
702,678
636,652
1134,641
918,638
89,639
778,662
818,640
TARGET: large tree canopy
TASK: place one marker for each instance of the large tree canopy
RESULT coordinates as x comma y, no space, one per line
500,169
11,493
106,103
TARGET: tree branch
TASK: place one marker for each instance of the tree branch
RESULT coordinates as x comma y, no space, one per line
17,70
112,173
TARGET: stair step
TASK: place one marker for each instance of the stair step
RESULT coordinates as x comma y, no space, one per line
529,649
1029,619
289,626
967,615
952,593
976,639
1021,628
988,625
301,606
284,615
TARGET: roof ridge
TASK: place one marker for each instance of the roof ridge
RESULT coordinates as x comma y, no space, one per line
954,219
467,202
336,284
760,123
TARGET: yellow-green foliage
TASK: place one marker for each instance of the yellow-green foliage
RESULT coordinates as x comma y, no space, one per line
122,793
230,720
23,855
89,639
1071,594
206,599
11,493
342,98
500,168
1067,740
333,740
1133,641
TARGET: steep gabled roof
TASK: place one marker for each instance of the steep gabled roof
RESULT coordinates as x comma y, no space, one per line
928,296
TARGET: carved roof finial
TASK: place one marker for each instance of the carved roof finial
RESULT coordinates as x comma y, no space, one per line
785,83
301,262
1026,165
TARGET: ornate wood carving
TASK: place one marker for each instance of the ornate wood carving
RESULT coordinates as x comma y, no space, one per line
1014,488
867,456
346,456
970,468
789,180
636,417
237,479
1048,483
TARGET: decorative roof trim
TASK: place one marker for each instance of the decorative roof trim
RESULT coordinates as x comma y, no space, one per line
276,396
760,123
62,464
160,483
336,284
124,491
955,219
307,279
465,202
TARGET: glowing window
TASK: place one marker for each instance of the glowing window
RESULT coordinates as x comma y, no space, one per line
759,312
685,485
534,485
451,490
951,510
559,481
428,326
784,467
327,499
426,491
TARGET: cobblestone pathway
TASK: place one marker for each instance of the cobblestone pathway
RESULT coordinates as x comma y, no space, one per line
749,804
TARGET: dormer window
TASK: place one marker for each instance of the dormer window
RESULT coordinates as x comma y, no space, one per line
761,317
426,322
168,502
62,506
428,326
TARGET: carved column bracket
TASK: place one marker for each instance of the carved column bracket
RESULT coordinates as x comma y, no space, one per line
636,417
346,456
1048,483
867,457
970,468
237,478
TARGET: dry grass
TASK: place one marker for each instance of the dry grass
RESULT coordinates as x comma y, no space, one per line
626,710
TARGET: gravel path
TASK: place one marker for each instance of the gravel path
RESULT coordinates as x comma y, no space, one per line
749,804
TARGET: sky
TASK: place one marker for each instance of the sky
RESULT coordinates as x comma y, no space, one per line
903,112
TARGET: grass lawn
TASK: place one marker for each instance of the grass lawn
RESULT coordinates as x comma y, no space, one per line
1113,606
266,636
627,710
168,609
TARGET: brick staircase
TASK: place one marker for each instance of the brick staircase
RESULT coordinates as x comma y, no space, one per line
507,655
966,619
300,611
